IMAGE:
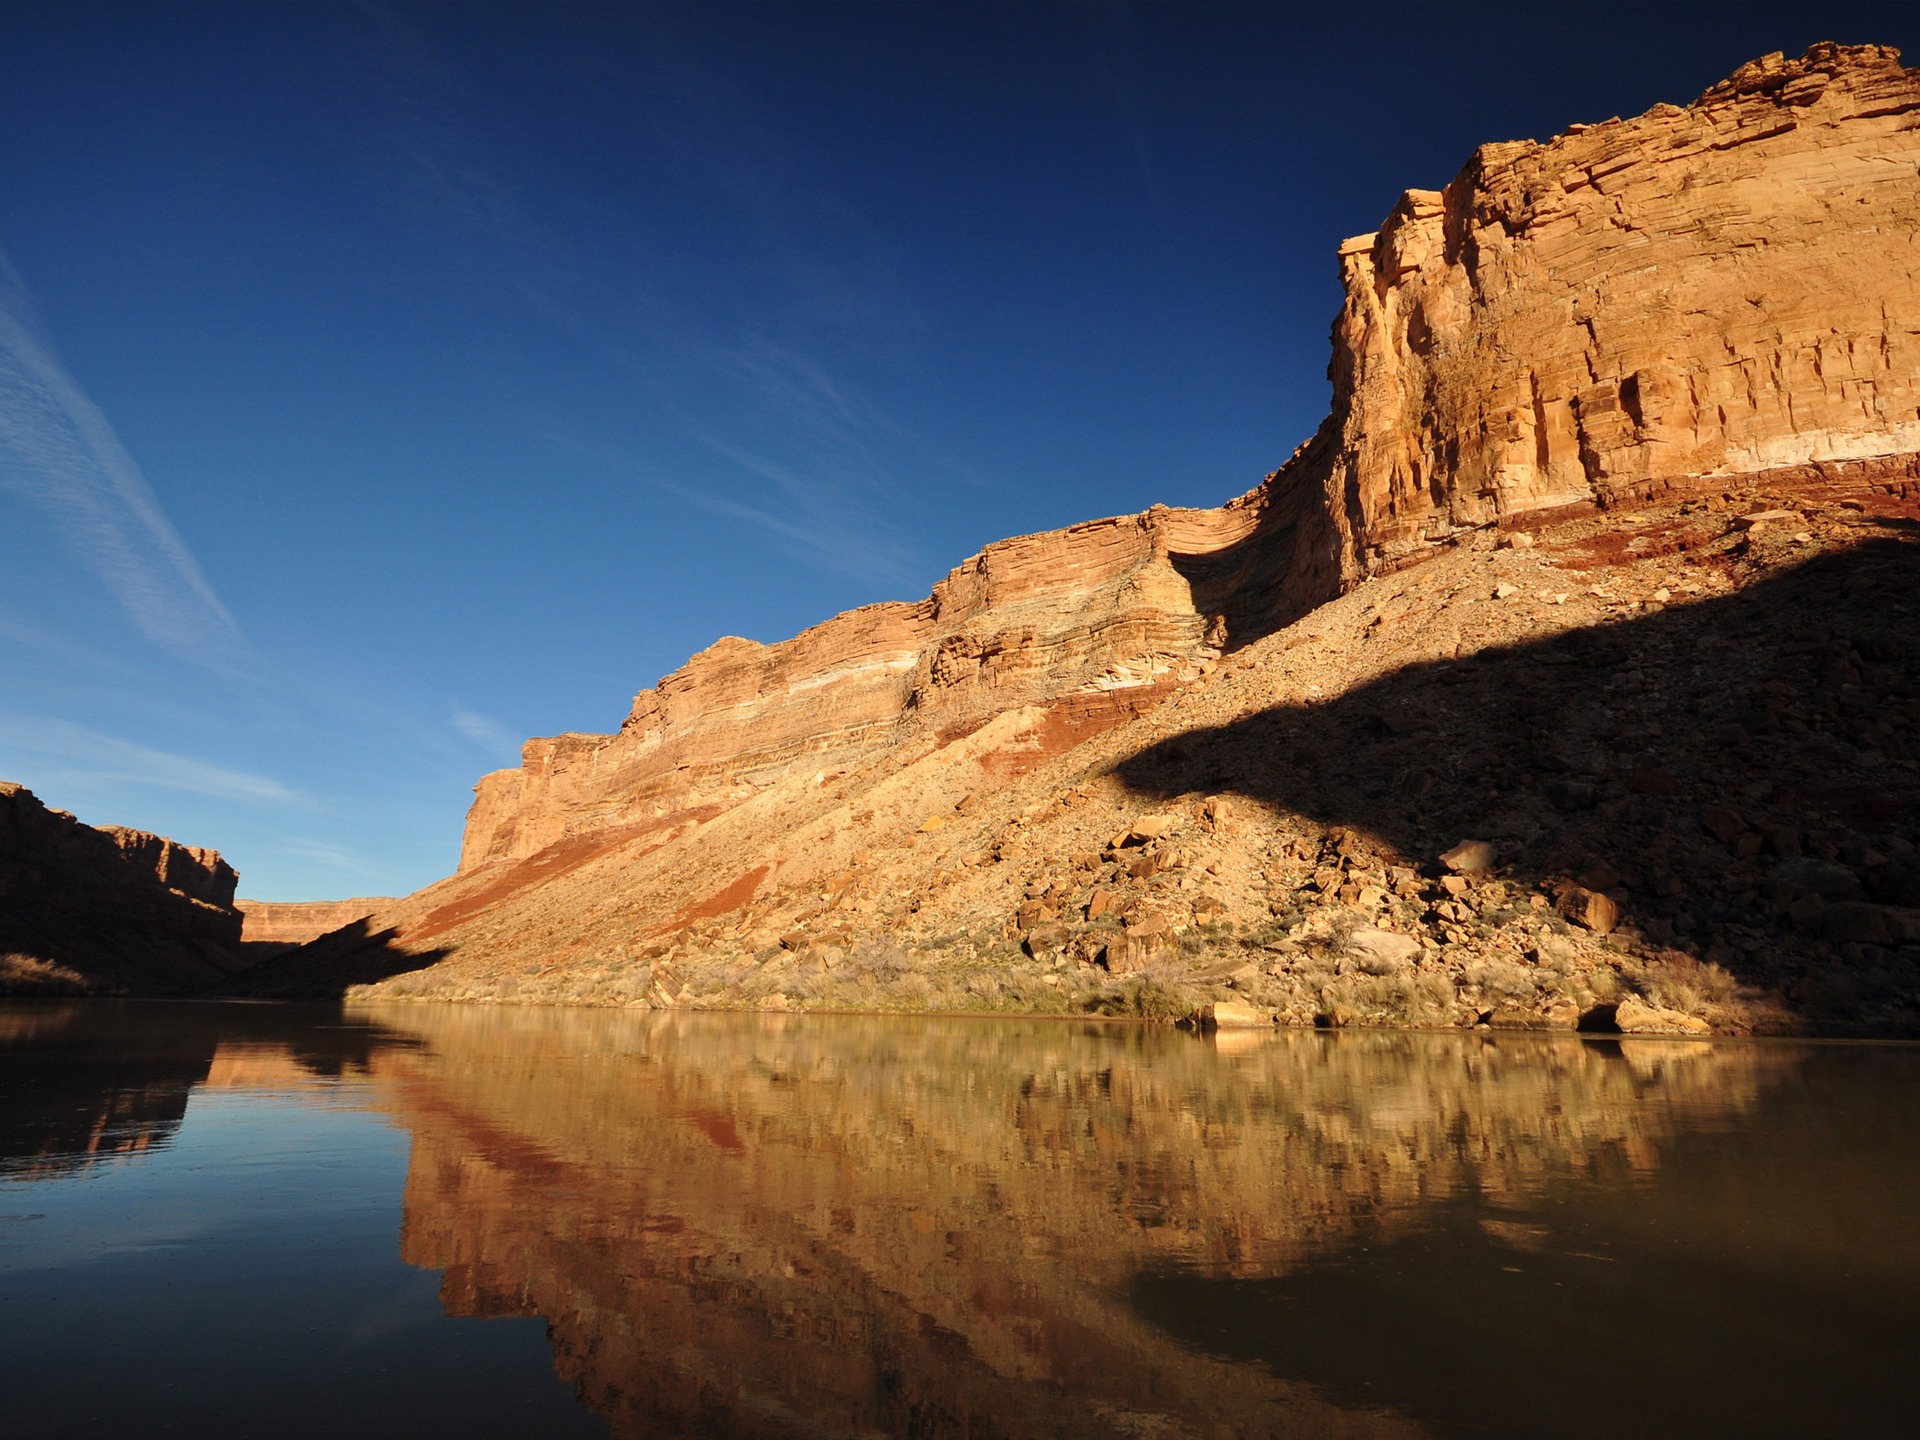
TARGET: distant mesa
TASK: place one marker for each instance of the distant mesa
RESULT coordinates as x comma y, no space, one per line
273,927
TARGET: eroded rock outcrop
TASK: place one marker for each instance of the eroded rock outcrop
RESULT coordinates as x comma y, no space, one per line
1639,306
109,908
1096,620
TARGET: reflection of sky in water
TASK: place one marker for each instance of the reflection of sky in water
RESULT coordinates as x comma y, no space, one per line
241,1163
244,1279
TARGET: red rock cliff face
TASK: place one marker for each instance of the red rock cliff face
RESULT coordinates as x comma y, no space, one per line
1638,306
269,927
1092,619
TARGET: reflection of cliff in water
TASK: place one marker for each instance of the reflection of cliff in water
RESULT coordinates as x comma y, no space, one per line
86,1081
755,1226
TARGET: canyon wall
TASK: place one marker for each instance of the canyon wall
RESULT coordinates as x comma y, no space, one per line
268,927
1097,618
108,908
1637,306
1630,309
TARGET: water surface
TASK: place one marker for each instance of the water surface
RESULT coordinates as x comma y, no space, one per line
236,1220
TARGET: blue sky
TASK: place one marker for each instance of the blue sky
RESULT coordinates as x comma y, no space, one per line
383,384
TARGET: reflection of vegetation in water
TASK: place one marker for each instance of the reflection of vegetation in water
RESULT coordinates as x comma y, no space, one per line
857,1215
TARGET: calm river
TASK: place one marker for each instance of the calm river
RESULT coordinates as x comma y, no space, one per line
237,1220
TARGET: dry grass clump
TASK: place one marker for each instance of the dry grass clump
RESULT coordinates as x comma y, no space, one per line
1499,980
22,974
1159,992
1677,981
1411,998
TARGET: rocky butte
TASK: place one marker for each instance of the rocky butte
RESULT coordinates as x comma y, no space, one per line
1565,675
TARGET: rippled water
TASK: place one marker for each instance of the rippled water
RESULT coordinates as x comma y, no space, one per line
255,1219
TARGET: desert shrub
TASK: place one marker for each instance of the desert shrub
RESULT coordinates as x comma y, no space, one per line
776,974
1607,986
914,991
1155,993
1500,979
1680,982
881,961
22,974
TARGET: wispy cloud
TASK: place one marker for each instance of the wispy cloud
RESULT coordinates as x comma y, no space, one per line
58,453
332,857
490,735
97,757
822,534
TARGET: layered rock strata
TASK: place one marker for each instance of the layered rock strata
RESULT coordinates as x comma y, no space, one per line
108,908
1096,620
1641,306
271,927
1662,362
1637,306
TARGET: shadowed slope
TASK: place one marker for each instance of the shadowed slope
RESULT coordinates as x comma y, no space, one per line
1735,773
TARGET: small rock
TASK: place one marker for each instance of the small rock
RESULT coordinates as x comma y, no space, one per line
1517,540
1601,877
1455,885
794,940
1808,914
1505,590
1572,794
1135,950
1762,518
1648,778
1563,1015
1380,952
1589,908
1231,1015
1867,924
1469,857
1150,827
1723,824
1043,942
1099,903
1207,909
1634,1017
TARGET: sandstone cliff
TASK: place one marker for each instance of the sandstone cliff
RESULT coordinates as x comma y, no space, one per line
105,909
1665,361
272,927
1633,308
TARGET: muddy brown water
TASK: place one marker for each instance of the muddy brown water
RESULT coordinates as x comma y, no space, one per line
411,1219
